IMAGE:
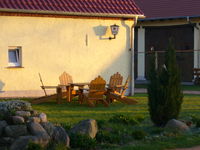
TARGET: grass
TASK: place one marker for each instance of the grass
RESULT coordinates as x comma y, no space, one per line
71,113
184,87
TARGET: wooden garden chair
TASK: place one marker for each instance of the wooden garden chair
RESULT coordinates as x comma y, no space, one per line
96,92
120,95
115,85
64,89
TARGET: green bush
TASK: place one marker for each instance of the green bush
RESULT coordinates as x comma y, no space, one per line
33,146
66,126
139,134
140,118
81,141
196,120
107,137
56,146
100,123
164,89
122,119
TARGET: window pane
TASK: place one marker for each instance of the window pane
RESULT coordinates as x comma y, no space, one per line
12,56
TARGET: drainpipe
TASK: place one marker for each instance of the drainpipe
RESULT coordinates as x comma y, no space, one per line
132,86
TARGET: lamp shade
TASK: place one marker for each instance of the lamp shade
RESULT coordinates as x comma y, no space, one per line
114,29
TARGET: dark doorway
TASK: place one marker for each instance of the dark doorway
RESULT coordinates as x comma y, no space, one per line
157,38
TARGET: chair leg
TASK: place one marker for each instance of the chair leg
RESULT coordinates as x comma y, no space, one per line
91,103
59,94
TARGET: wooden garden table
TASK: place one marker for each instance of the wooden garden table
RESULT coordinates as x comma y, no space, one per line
80,91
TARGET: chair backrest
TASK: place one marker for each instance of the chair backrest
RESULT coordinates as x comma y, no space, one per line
97,88
65,78
125,86
116,79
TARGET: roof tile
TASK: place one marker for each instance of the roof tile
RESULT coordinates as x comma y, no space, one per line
169,8
126,7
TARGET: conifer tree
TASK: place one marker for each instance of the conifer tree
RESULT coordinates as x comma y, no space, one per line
164,89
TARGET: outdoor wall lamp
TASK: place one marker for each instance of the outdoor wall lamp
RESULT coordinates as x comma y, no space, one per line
114,29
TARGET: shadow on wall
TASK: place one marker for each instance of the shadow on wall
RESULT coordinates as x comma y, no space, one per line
113,67
1,85
101,31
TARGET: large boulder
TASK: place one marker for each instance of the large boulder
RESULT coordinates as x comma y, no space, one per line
49,127
37,130
176,125
87,127
60,136
16,130
3,124
22,142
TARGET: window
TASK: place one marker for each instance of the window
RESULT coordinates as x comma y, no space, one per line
14,56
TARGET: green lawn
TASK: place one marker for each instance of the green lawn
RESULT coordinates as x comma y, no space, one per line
73,113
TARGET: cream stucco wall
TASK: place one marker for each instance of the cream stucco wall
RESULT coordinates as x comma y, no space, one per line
53,45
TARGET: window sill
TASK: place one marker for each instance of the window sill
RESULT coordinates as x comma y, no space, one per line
14,67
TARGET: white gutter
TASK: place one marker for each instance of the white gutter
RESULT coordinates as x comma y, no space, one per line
132,56
71,13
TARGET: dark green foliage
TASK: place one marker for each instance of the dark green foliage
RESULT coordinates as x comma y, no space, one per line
122,119
164,89
33,146
139,134
66,126
139,118
107,137
196,120
100,123
81,141
56,146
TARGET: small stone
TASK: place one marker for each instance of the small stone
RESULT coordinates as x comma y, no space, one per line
16,130
87,127
43,117
60,136
18,120
23,113
176,125
34,119
34,113
6,141
3,124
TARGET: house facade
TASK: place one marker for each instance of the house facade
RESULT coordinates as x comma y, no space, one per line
50,37
176,20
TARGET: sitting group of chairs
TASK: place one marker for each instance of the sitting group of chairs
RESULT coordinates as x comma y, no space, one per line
97,92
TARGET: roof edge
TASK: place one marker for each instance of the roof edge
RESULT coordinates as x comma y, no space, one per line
109,15
168,18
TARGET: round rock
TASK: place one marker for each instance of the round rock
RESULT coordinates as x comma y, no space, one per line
60,135
3,124
18,120
87,127
16,130
43,117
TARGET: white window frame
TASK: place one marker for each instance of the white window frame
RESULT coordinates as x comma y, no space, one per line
17,50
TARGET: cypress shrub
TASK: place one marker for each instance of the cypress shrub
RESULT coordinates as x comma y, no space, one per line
164,89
